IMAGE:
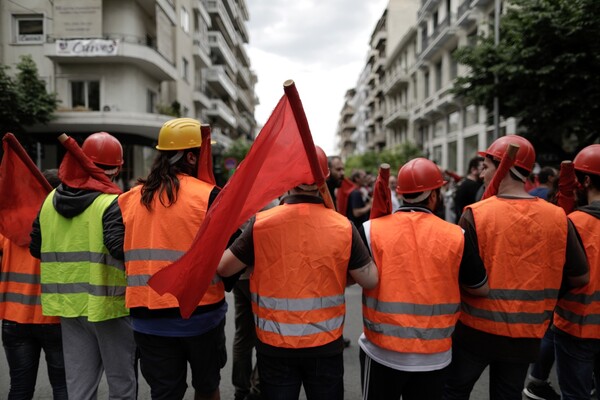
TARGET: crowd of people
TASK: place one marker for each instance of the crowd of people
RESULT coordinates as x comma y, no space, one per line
501,278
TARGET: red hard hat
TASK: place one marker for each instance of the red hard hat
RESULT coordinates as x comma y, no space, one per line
588,160
323,161
525,156
419,175
103,148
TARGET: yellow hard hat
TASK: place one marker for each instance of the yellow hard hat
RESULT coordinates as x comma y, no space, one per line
179,134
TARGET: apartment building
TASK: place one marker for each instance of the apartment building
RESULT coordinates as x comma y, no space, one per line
126,67
419,71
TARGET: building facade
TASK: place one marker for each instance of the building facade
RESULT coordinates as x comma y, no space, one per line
419,72
126,67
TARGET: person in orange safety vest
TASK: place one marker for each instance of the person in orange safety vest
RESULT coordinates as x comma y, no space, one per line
410,316
529,250
25,330
577,314
161,216
302,253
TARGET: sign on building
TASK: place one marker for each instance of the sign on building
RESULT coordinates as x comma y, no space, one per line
77,19
87,47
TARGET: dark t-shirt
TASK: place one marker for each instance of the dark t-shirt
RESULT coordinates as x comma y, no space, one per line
355,200
466,193
243,249
503,347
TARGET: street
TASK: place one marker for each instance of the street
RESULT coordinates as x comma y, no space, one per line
352,330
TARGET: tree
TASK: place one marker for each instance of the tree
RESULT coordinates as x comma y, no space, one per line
24,100
547,64
371,160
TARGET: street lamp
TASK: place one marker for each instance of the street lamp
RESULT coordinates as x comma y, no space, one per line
496,43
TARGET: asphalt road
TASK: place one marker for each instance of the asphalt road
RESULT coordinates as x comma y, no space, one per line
353,329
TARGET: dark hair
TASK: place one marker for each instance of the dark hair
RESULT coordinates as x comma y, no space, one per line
474,163
331,159
594,179
51,176
423,203
545,174
162,179
356,173
522,171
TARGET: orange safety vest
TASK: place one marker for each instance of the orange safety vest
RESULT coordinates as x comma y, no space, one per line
577,312
20,287
416,305
297,287
156,238
523,246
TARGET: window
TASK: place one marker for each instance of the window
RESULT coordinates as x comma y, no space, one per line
426,82
29,28
185,69
438,76
150,101
452,156
453,121
438,128
185,20
453,65
85,94
471,115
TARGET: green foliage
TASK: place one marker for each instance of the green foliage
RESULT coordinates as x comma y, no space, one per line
371,160
547,65
174,110
24,100
238,149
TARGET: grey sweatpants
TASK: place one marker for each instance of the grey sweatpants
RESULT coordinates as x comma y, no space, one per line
91,348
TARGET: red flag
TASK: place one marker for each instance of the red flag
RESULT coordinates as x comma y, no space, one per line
23,189
78,171
382,195
507,162
343,193
567,184
205,163
277,161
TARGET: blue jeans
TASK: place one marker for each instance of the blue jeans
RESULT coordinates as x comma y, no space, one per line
282,377
542,367
23,344
575,359
506,378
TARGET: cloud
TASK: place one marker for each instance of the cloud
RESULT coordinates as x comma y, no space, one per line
322,45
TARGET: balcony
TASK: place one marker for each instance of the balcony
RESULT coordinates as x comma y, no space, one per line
243,56
245,100
141,124
480,3
146,58
464,16
398,116
201,49
427,6
199,96
244,125
395,82
221,113
245,77
379,38
220,81
199,6
443,33
219,47
217,11
242,30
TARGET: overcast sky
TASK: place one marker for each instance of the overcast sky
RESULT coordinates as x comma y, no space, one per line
321,44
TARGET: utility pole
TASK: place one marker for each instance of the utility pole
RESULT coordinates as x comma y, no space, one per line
496,43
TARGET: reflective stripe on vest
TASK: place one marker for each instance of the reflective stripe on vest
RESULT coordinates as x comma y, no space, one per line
173,228
78,275
20,288
578,312
416,305
297,287
522,243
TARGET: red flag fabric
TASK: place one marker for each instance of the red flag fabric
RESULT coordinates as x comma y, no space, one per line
382,195
276,162
205,163
78,171
507,162
23,189
343,193
567,184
